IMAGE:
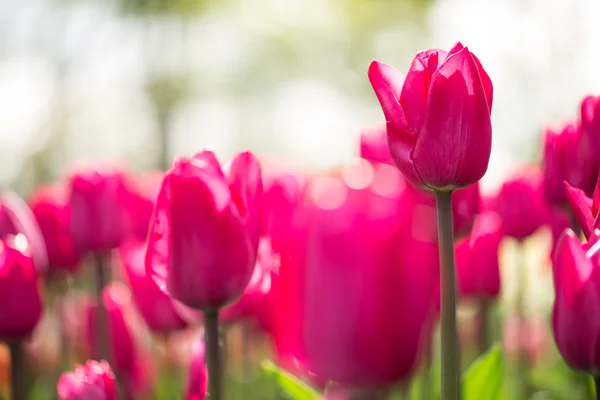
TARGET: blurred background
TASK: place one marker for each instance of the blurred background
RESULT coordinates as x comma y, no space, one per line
85,80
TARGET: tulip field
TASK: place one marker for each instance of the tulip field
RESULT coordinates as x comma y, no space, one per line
394,276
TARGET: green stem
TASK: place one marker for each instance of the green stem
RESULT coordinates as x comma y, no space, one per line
484,327
214,360
19,385
102,320
450,385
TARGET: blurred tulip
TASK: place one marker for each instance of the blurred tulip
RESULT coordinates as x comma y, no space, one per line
51,209
20,302
521,204
205,229
123,352
98,220
438,117
342,283
251,302
155,306
94,381
374,145
16,218
477,259
590,130
565,160
197,383
577,292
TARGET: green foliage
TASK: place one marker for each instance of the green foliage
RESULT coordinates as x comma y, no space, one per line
483,380
293,387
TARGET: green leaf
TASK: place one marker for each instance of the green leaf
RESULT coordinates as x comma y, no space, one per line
483,379
293,387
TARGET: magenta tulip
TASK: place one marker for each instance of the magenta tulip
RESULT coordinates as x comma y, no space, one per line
565,159
94,381
51,209
16,218
99,219
577,293
345,282
521,204
584,209
116,298
158,309
20,302
204,235
197,383
438,117
590,129
477,259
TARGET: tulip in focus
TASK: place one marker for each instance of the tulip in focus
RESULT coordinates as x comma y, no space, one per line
51,209
477,259
20,302
158,309
565,159
575,314
204,234
197,382
438,117
342,284
94,381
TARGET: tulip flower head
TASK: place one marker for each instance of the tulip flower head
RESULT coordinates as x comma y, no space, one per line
576,271
93,381
20,302
438,117
204,235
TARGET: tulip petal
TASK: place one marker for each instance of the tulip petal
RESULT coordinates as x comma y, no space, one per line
245,181
581,206
454,146
571,267
159,239
387,84
416,87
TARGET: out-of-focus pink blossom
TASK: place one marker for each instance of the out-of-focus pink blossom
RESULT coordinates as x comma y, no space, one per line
93,381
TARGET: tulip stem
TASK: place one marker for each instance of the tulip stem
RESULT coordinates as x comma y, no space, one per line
450,385
18,373
102,330
484,327
213,355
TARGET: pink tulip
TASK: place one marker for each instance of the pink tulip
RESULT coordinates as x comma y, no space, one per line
20,302
577,293
346,282
477,259
197,383
116,298
98,220
16,218
438,117
157,308
94,381
565,159
205,230
521,204
584,209
51,209
590,130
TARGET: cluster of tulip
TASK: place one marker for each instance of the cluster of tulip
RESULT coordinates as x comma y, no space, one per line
347,272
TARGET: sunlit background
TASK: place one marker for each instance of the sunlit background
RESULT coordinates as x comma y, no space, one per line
105,80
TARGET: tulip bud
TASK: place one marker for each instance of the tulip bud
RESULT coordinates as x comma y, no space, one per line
477,259
98,215
197,384
155,306
20,303
575,313
51,210
204,235
438,117
94,381
565,160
